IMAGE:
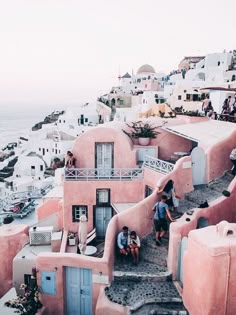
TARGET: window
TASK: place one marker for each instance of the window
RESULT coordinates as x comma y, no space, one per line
39,149
41,167
77,211
233,78
86,120
103,197
47,150
187,96
218,63
179,97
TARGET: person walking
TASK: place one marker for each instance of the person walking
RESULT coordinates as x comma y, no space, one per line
160,222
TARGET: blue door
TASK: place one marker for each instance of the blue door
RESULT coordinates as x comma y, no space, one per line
102,218
78,291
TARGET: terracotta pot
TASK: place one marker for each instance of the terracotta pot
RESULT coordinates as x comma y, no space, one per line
144,141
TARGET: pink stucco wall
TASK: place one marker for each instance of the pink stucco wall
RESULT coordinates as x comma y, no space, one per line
84,147
12,239
181,175
169,143
84,193
218,159
49,207
209,269
218,210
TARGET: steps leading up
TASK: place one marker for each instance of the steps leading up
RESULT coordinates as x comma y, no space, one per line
147,288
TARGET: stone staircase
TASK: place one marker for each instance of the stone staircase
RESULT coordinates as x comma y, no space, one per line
147,288
208,192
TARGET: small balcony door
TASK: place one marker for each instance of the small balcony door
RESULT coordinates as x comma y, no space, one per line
104,158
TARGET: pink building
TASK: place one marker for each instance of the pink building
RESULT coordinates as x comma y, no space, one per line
111,188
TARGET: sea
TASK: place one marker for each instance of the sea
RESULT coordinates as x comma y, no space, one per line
15,123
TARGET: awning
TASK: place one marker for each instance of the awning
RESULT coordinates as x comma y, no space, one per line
207,132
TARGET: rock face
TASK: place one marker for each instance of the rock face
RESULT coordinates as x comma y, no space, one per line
53,117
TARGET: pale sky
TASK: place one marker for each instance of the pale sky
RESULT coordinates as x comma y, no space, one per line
67,52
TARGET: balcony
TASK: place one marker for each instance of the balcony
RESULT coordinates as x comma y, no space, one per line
158,165
94,174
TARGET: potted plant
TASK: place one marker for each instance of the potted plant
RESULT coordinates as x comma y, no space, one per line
143,131
71,238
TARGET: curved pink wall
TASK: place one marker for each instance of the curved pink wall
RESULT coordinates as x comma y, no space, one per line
12,239
218,160
84,147
218,210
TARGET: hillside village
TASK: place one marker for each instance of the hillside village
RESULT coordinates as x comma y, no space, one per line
115,181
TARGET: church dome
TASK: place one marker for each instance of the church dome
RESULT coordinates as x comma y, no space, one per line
146,69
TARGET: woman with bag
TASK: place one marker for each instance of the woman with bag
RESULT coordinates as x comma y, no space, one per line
172,197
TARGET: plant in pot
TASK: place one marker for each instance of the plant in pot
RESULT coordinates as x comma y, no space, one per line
143,131
71,238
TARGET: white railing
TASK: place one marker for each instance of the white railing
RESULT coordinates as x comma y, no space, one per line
103,174
158,165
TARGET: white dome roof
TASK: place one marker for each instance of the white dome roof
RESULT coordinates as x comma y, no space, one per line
146,69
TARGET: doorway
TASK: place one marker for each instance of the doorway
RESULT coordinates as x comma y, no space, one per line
104,158
198,166
78,291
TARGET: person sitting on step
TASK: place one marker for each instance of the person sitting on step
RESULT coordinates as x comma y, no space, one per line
134,245
122,241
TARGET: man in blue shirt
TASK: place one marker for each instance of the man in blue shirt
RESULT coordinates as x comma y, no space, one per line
161,211
122,241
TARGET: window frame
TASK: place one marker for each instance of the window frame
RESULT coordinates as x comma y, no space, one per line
75,217
108,202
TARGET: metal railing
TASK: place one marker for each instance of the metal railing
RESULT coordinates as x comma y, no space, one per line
103,174
158,165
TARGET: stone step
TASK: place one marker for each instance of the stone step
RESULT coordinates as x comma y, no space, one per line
137,294
171,308
200,195
138,276
185,205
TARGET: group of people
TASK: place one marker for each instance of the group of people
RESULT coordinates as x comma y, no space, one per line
229,107
129,242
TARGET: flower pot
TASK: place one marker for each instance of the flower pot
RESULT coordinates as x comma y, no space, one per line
71,241
144,141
